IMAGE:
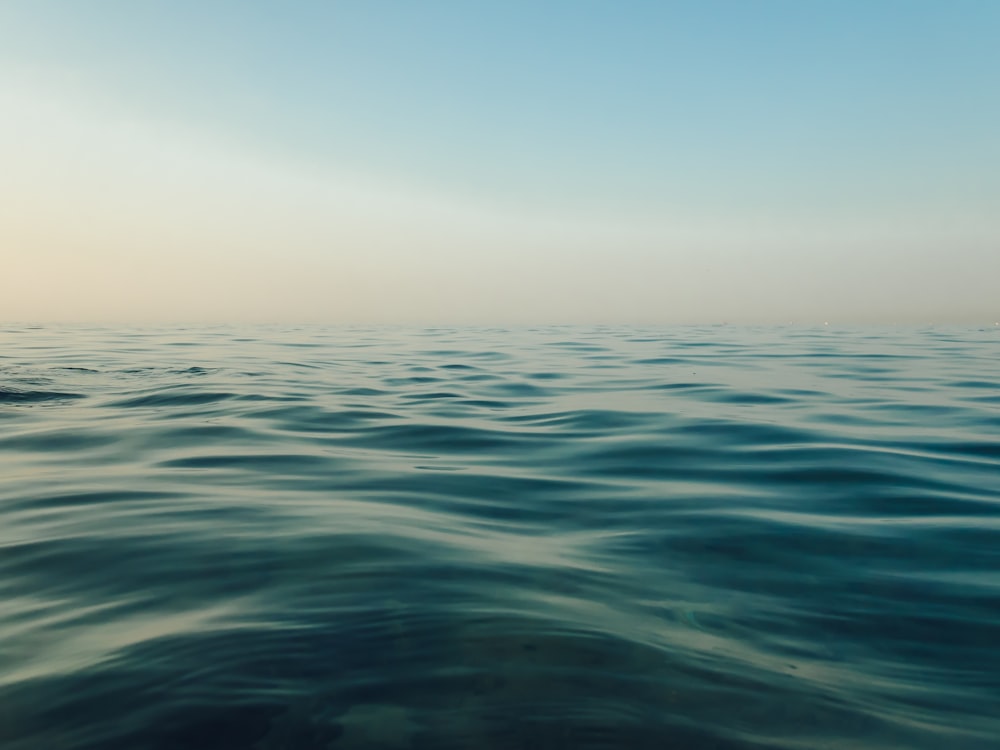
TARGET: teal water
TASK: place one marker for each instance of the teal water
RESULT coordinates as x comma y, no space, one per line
696,538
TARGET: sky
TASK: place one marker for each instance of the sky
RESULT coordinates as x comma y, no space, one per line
466,161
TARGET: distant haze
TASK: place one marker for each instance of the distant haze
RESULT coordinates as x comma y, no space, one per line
473,162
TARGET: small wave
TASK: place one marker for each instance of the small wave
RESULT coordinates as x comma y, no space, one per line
174,396
18,396
263,462
440,439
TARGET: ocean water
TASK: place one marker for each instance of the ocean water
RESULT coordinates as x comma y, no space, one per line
689,538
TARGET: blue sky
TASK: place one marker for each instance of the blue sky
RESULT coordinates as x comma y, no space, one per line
486,162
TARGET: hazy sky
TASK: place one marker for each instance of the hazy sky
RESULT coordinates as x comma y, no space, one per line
477,161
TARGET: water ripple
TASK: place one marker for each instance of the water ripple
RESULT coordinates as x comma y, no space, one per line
710,538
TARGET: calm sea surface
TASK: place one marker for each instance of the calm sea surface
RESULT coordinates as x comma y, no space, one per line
280,538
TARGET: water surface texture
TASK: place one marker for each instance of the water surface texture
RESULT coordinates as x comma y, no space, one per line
703,538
